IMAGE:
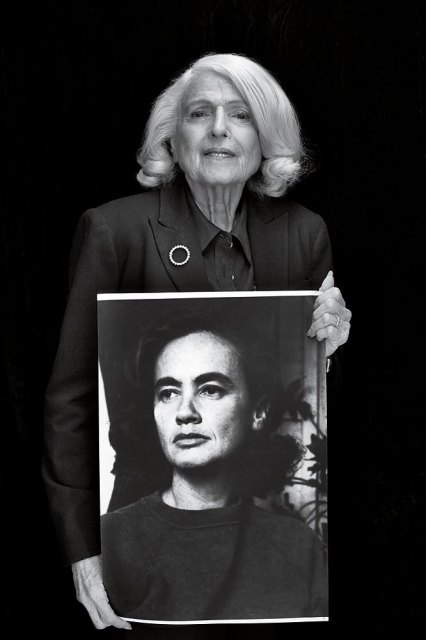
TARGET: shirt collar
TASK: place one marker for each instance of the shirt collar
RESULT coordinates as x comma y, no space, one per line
207,231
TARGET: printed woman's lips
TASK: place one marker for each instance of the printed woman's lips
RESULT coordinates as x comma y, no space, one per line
190,439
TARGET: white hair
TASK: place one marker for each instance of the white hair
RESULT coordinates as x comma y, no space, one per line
273,114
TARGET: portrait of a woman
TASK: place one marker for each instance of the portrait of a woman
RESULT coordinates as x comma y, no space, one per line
221,148
199,547
186,149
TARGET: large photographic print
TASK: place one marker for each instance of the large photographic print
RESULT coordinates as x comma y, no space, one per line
213,476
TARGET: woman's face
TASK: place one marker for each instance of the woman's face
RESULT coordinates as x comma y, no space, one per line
202,407
216,140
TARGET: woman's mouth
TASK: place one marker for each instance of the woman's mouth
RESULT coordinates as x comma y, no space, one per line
217,152
187,440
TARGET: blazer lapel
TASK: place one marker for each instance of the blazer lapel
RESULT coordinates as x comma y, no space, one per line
174,227
267,225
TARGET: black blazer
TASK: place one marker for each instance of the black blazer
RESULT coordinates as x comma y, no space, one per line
123,246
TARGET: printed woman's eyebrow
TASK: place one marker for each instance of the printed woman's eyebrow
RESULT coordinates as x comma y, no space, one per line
209,376
167,381
214,376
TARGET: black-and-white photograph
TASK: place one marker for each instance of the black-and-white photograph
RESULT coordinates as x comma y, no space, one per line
213,146
213,461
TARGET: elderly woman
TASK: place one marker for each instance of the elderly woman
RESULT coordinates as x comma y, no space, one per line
221,146
198,548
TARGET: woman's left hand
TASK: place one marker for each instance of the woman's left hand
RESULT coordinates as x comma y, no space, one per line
331,320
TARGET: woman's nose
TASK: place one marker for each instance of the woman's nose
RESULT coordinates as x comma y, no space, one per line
219,123
187,411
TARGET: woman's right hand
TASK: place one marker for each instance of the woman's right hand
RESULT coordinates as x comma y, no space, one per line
90,591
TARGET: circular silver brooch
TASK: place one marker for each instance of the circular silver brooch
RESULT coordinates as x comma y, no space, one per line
175,262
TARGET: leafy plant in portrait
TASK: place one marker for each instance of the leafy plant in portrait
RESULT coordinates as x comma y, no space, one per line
313,512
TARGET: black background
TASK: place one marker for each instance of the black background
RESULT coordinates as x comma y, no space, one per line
79,78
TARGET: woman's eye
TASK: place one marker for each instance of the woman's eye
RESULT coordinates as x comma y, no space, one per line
166,395
213,391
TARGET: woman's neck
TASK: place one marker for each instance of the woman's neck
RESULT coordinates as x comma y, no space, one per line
196,493
218,203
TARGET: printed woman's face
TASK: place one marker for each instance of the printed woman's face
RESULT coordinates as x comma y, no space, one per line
202,407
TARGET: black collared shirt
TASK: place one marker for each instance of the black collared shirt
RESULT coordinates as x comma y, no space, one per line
226,255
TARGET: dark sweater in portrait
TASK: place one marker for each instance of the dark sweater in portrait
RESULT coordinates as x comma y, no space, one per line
237,562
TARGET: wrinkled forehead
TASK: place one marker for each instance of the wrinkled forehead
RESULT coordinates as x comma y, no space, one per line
211,86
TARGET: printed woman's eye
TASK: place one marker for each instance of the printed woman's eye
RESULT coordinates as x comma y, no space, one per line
212,391
166,394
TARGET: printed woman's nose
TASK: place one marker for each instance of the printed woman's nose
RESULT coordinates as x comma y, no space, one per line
187,412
